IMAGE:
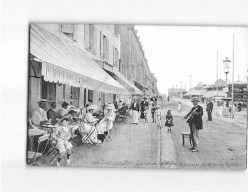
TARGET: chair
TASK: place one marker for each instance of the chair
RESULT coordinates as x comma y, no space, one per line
33,157
86,136
56,154
187,135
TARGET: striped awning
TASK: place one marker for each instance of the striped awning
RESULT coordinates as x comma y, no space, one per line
66,63
134,89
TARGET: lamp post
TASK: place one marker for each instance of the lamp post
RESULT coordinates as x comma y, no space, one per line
226,64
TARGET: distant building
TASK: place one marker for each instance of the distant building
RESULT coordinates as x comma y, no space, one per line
176,92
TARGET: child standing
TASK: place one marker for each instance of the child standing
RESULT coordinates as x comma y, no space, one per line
146,115
169,121
158,117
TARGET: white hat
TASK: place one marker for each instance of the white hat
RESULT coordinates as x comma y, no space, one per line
92,107
42,100
110,107
195,99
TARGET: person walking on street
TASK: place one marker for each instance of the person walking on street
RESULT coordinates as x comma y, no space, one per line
179,107
154,104
135,112
143,106
169,121
195,122
209,110
158,117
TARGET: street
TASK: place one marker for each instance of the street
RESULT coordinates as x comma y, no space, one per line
222,146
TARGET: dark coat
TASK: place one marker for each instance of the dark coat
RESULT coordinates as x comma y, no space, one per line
169,120
143,105
209,107
51,114
197,117
135,108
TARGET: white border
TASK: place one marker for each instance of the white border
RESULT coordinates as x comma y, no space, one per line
17,14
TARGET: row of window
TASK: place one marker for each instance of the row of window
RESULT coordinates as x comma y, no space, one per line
90,41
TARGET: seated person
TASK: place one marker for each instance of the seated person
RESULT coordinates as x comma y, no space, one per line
106,124
72,115
52,114
39,116
83,110
62,134
120,104
64,110
88,124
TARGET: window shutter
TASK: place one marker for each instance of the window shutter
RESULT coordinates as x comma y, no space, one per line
107,50
91,38
86,36
101,45
113,55
95,41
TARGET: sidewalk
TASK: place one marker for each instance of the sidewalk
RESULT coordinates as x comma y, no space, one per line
239,117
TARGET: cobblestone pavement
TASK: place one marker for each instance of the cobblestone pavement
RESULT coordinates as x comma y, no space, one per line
222,145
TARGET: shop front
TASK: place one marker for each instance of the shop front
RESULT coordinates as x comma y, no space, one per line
60,71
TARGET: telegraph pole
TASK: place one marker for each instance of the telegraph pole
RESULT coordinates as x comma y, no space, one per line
217,84
233,81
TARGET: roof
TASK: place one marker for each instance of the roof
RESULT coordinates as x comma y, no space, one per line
238,83
209,94
195,92
67,64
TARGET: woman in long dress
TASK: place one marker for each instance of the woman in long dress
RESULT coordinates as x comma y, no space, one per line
88,124
135,112
106,124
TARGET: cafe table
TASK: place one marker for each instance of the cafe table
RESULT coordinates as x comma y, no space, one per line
49,126
32,133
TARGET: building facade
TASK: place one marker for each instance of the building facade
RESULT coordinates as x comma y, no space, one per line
134,65
84,54
81,63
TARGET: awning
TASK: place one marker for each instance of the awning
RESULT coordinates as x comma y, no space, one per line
121,77
66,63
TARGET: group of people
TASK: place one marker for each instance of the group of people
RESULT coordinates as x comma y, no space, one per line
68,119
156,113
194,117
143,109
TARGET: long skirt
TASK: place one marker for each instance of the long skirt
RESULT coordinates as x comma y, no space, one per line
135,116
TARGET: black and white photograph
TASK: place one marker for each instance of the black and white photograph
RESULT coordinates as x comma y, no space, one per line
124,96
137,96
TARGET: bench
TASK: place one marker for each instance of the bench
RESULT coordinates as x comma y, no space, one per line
186,135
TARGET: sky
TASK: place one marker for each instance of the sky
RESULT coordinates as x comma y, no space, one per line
176,52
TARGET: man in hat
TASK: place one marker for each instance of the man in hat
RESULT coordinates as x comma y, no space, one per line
52,114
195,123
39,116
209,109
